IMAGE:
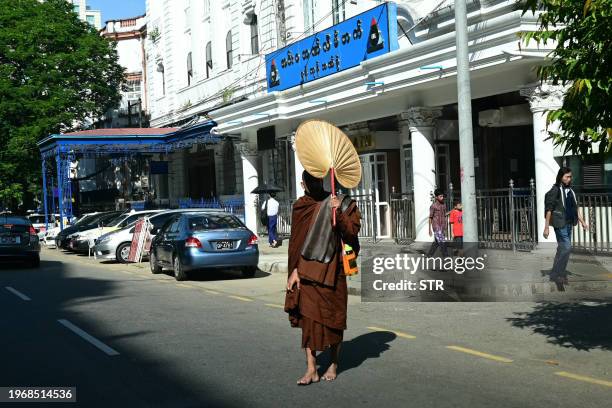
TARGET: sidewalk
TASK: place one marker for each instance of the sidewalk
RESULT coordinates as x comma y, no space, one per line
509,274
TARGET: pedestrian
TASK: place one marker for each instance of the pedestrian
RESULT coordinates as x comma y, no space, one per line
317,294
561,211
271,208
455,219
437,224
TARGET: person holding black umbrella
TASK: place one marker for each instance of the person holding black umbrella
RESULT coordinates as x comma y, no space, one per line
271,208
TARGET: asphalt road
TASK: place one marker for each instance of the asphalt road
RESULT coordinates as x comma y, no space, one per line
125,337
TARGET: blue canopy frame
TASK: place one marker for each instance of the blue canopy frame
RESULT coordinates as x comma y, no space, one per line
64,148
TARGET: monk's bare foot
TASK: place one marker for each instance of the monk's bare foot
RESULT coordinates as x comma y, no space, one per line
331,373
309,378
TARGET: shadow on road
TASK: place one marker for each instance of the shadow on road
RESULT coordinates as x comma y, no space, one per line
582,326
43,352
356,351
206,275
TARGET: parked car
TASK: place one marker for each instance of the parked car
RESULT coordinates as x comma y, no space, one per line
18,240
38,222
83,240
197,240
115,245
85,223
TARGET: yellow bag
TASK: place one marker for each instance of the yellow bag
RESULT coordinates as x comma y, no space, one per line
349,260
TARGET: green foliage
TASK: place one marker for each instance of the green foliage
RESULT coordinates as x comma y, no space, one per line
55,71
582,60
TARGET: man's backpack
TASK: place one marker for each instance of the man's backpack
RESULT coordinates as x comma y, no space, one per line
263,216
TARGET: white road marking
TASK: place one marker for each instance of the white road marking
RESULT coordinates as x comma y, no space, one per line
17,293
83,334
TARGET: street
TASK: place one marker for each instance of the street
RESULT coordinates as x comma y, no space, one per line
125,337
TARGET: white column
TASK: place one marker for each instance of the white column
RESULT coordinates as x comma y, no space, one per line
299,191
543,98
248,154
421,121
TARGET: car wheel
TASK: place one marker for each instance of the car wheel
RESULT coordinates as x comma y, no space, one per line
179,273
155,268
35,263
249,271
123,252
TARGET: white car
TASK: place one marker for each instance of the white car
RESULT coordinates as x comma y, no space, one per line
84,240
115,245
39,224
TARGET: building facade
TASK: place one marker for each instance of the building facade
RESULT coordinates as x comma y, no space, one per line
215,59
129,35
87,14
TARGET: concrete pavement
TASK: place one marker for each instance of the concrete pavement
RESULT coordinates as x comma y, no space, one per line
221,340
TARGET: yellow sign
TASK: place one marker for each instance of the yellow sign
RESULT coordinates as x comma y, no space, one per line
363,142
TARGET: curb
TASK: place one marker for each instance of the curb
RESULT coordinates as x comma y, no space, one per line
273,267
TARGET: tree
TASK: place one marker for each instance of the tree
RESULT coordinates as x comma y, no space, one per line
581,60
55,71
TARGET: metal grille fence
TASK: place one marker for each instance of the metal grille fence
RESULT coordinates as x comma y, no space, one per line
402,218
506,217
283,223
367,206
596,210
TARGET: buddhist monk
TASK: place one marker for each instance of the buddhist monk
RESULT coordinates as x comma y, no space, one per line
317,295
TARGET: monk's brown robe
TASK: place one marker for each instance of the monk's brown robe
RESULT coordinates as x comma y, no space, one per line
319,307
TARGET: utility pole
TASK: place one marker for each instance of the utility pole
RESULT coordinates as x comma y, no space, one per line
466,143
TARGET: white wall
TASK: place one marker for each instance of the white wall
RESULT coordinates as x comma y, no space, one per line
130,55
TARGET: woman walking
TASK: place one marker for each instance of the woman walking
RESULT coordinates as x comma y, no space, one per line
562,213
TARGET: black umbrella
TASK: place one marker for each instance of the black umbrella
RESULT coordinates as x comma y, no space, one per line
266,188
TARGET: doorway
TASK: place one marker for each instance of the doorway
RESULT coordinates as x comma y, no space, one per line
375,180
201,177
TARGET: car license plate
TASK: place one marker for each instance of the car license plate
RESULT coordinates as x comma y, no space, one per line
10,240
225,245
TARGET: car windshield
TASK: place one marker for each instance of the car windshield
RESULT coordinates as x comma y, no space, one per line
111,219
131,219
37,219
87,218
212,222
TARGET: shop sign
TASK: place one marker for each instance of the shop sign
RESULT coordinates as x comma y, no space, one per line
363,142
342,46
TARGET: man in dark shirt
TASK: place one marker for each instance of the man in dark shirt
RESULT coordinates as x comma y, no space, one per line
437,224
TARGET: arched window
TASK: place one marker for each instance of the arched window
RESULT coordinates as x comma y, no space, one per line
161,78
209,62
228,47
189,69
254,35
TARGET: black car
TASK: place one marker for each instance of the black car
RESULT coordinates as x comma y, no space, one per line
84,224
18,240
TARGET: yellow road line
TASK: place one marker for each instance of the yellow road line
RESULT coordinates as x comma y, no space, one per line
583,378
183,285
274,305
480,354
163,280
240,298
397,333
212,292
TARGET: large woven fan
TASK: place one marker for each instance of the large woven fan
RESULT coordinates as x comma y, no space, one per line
322,147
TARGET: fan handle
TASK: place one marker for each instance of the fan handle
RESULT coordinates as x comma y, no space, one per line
333,188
